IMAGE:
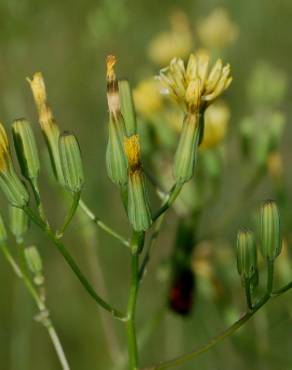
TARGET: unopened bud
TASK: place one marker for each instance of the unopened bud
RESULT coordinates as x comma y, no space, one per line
10,184
26,149
34,263
116,161
71,162
127,107
138,203
270,230
19,223
246,255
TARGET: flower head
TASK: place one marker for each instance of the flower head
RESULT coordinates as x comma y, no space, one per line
195,86
217,30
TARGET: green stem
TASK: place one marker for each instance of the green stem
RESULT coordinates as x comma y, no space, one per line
213,342
173,194
73,265
270,277
101,224
131,329
150,246
57,345
282,290
36,193
248,293
70,214
41,306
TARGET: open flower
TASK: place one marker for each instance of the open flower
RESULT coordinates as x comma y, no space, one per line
194,86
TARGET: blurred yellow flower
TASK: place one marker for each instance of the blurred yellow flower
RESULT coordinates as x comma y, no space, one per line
176,42
275,165
216,122
147,97
217,30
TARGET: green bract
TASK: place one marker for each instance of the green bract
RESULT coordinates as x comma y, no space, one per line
71,161
26,149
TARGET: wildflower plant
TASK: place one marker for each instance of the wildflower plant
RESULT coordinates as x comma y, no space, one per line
194,86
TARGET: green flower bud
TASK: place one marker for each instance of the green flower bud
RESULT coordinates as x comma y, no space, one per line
71,162
116,161
26,149
270,234
3,232
246,255
138,204
10,184
127,107
34,263
186,152
19,223
47,122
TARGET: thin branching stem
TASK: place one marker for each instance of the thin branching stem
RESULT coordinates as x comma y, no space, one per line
218,338
46,321
101,224
173,194
73,265
70,214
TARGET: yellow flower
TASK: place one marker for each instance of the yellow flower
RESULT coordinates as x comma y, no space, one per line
147,97
194,86
216,122
217,30
176,42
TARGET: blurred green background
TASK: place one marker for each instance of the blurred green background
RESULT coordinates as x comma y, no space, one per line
68,41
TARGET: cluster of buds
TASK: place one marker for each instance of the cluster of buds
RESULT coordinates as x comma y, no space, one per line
270,243
10,183
123,156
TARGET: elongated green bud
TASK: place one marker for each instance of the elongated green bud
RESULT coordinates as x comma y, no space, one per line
71,162
127,107
10,184
116,161
138,203
19,223
3,232
47,122
34,263
26,149
246,255
186,152
270,233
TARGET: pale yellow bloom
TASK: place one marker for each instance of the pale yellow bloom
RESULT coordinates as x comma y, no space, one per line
147,97
216,123
175,42
217,30
193,85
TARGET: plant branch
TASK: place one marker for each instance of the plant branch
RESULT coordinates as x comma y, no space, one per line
173,194
70,214
102,225
73,265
